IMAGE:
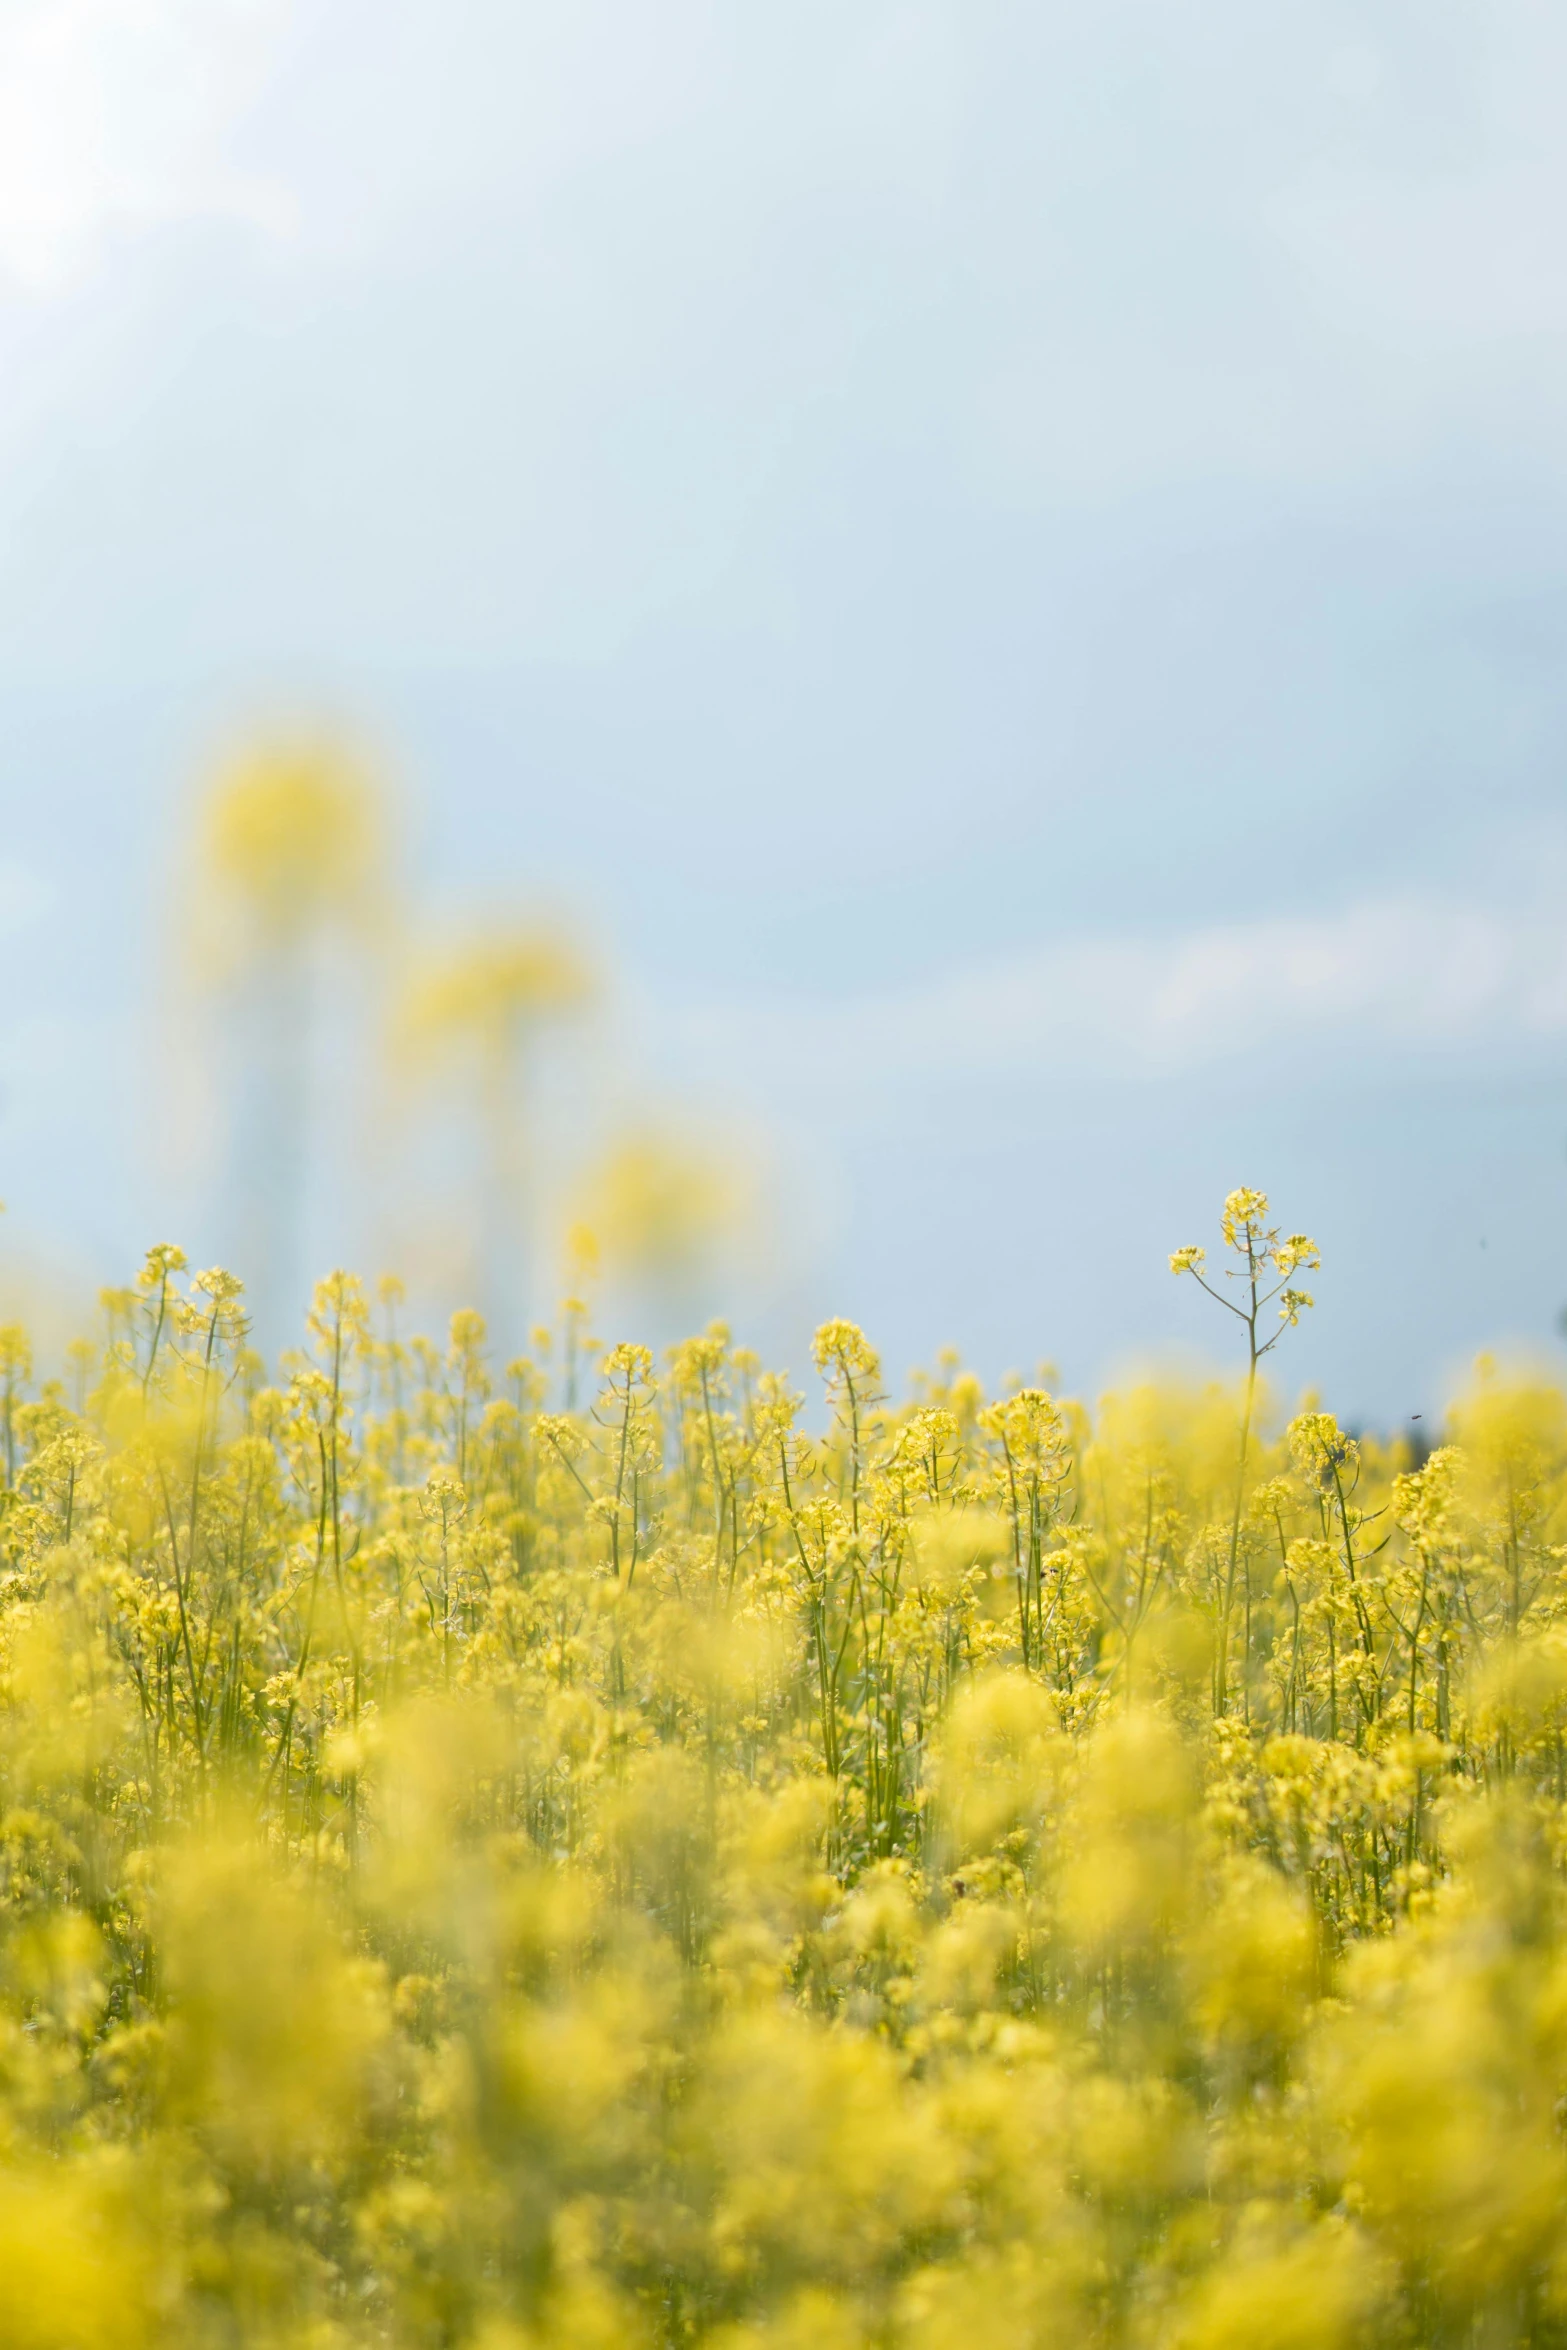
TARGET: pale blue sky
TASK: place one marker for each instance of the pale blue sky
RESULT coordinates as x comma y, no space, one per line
1009,559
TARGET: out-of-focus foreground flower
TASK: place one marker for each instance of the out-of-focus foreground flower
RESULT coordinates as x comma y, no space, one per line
505,1858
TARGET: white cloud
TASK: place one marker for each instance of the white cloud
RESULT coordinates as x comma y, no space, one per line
120,113
1395,973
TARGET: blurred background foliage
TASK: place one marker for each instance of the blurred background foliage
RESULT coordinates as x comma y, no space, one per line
454,1084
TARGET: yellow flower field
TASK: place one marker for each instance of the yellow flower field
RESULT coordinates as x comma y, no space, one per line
502,1855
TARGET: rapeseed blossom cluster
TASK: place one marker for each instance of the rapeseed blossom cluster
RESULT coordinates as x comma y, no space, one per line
596,1851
